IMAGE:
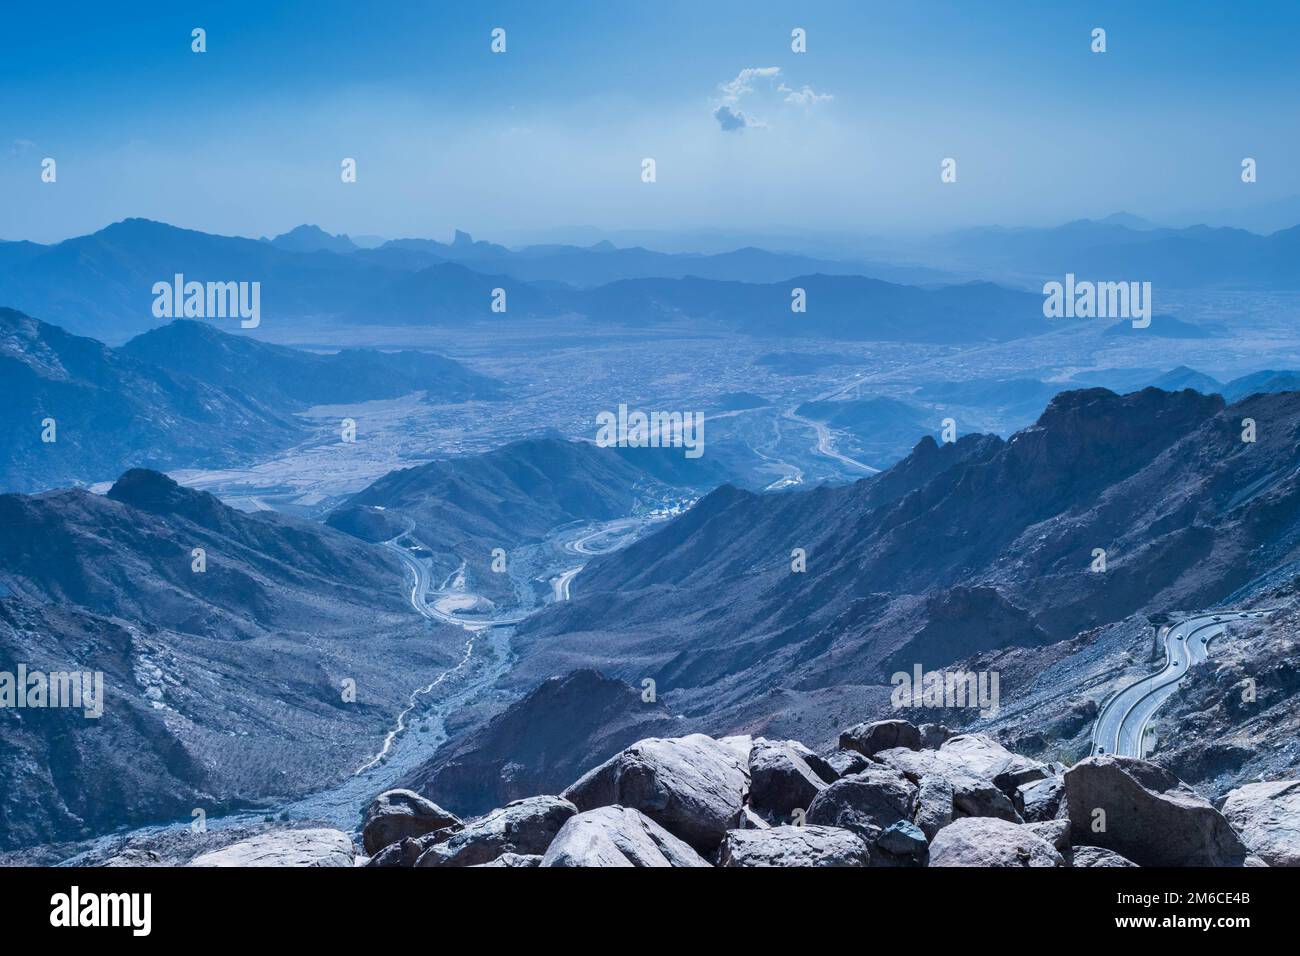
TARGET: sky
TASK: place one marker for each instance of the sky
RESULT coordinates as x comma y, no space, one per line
247,138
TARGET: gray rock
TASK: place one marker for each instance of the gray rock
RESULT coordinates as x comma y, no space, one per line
987,842
514,861
1267,817
933,805
749,820
845,762
982,756
865,802
402,853
397,814
618,836
692,786
972,796
871,738
780,781
903,839
825,772
524,827
1150,816
321,847
794,846
1055,832
1041,800
934,735
1089,856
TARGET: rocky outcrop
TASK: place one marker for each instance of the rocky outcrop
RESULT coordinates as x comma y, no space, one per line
866,803
695,801
397,814
1041,799
951,787
986,842
871,738
1145,813
285,848
694,787
780,780
524,827
1267,817
794,846
618,836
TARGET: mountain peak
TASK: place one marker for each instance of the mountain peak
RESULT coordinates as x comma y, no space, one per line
156,493
312,238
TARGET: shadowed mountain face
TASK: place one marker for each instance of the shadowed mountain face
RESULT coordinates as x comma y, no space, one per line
112,411
999,535
292,378
542,743
221,686
129,555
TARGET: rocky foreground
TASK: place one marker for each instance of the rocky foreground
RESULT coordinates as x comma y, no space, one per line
891,794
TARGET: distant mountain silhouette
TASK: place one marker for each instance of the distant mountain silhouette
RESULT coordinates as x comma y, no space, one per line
312,239
101,284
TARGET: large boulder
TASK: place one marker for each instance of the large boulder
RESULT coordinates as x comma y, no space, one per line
971,795
617,836
934,805
904,841
1040,800
865,803
1145,813
692,786
1096,856
816,762
525,827
1267,817
794,846
780,780
397,814
934,735
320,847
982,756
870,738
987,842
844,762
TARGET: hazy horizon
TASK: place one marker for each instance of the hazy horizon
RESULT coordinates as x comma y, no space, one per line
247,138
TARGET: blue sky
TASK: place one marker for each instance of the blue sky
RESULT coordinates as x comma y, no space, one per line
247,138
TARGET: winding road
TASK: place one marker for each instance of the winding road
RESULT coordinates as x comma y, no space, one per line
1122,723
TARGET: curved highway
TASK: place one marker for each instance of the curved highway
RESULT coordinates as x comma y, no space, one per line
1123,720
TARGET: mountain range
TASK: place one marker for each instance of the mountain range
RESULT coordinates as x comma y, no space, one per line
182,395
101,285
960,547
223,685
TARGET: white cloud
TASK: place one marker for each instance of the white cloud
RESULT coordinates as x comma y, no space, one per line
773,93
804,97
743,83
